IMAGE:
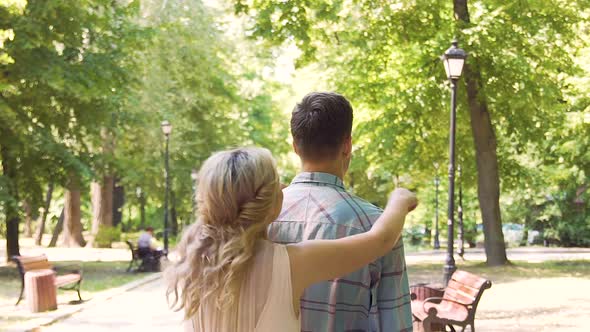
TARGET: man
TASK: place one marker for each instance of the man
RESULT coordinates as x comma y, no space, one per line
317,206
148,251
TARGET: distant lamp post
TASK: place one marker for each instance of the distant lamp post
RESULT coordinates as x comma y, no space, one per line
436,229
141,200
461,232
166,129
194,177
453,60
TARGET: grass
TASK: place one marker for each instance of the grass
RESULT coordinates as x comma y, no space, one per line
517,270
97,276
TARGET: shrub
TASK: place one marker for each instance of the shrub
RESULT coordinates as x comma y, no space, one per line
106,236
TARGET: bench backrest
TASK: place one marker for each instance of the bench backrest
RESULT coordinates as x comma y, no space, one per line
130,245
31,263
466,288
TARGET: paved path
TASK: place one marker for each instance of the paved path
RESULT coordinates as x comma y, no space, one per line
555,304
143,309
551,304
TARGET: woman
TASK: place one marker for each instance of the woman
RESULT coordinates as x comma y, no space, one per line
229,277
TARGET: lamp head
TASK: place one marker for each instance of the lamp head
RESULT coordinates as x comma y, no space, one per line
166,127
453,60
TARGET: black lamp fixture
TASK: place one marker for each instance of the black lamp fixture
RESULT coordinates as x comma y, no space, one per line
167,130
453,60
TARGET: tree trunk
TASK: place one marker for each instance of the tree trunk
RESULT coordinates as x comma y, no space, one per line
57,230
102,204
41,226
102,192
10,208
28,231
118,203
488,178
72,216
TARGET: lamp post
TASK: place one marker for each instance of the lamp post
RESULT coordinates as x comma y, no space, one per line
141,200
453,60
166,129
461,232
436,232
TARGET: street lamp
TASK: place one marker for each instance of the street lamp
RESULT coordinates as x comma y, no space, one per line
141,200
166,129
436,232
461,232
453,60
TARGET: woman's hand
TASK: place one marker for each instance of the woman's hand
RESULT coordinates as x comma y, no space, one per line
403,199
389,226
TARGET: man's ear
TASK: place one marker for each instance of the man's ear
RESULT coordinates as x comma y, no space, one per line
295,148
347,146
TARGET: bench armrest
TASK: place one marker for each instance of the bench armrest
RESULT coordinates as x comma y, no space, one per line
440,299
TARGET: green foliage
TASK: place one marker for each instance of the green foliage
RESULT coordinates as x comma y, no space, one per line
106,236
530,55
60,65
85,85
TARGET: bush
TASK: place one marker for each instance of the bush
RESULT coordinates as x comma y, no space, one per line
415,234
106,236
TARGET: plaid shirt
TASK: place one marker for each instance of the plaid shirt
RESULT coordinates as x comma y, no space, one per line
374,298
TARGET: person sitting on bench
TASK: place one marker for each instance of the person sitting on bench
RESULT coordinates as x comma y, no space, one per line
146,247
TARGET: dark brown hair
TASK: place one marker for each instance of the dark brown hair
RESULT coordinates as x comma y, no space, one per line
320,123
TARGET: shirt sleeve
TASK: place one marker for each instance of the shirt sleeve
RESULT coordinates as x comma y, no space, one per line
393,292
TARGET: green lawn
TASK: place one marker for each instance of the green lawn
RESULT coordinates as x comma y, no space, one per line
517,270
97,276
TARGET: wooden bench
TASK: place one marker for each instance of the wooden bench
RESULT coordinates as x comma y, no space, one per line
457,306
69,281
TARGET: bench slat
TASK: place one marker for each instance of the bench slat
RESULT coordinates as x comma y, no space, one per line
30,263
455,295
465,288
40,265
467,278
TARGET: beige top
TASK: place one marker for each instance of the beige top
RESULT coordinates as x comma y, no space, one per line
266,298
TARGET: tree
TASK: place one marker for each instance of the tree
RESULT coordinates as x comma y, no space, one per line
57,77
484,138
41,226
192,75
385,59
10,208
72,236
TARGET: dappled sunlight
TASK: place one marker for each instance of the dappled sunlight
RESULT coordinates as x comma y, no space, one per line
546,304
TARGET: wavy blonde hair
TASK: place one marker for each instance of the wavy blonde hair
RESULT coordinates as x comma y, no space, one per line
237,197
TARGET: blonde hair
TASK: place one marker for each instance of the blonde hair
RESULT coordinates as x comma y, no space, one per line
237,193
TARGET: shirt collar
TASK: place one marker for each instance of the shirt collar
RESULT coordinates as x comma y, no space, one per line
318,177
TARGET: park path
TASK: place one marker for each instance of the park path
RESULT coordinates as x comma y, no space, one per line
553,304
536,305
142,309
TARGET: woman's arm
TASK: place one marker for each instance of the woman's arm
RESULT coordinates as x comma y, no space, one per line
316,260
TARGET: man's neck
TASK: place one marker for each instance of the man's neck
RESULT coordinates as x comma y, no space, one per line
333,168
